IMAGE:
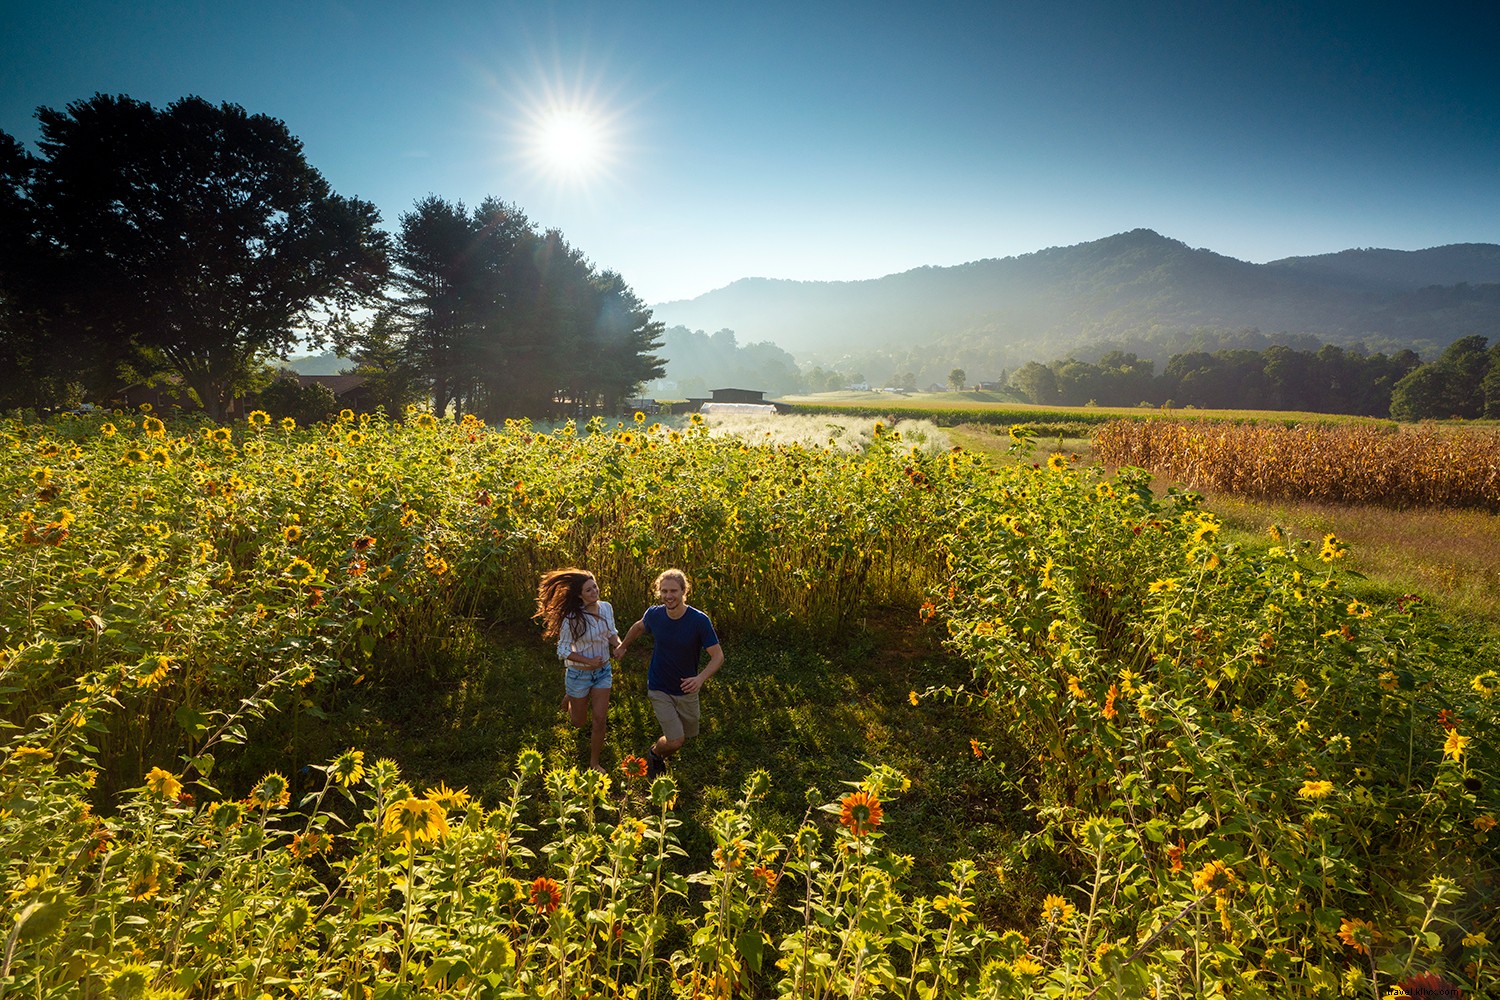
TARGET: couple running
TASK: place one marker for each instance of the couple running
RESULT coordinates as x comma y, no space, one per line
568,603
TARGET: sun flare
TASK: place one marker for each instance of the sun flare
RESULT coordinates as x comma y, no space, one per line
571,141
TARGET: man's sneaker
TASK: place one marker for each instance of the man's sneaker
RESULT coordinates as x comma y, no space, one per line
655,766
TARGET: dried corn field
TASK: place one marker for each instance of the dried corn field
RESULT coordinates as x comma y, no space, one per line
1364,464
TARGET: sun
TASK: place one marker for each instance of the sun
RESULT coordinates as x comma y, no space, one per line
570,141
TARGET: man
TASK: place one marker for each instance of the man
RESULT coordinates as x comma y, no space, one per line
681,635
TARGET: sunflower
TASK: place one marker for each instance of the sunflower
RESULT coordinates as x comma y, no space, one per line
954,908
1056,910
258,418
348,768
1486,684
133,457
108,430
417,819
1215,876
355,438
1332,549
288,424
546,895
859,813
163,784
1057,461
291,532
346,415
633,766
272,791
1358,934
1454,746
220,435
299,570
447,798
1315,790
426,421
153,427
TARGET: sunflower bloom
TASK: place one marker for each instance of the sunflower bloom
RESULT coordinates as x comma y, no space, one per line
163,784
1215,876
546,895
1056,910
272,791
1454,745
258,418
446,797
860,813
1358,934
954,908
417,819
1315,789
633,766
348,768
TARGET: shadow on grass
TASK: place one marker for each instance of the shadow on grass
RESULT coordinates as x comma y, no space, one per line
812,717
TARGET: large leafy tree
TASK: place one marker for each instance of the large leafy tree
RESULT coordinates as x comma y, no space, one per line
194,239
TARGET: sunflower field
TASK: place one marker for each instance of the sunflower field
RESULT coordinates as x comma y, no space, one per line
1240,780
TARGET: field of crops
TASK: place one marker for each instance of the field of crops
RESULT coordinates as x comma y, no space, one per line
1406,467
1241,781
950,408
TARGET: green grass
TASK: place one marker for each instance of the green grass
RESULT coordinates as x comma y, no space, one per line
990,408
808,714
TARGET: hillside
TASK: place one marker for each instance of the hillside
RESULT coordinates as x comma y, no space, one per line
1130,289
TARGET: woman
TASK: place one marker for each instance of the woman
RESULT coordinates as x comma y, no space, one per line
568,603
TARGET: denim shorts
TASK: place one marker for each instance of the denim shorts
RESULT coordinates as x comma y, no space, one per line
580,682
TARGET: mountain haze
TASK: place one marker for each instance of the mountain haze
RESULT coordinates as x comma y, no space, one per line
1131,288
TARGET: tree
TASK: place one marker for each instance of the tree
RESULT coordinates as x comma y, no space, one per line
956,378
1452,386
195,239
1036,382
502,320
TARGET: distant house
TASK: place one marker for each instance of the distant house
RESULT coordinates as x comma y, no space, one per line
349,390
742,400
989,386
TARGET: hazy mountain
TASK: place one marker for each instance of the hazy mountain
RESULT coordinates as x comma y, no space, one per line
327,363
1131,288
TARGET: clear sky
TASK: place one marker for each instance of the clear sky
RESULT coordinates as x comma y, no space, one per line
688,144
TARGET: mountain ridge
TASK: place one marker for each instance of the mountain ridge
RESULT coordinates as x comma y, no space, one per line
1114,289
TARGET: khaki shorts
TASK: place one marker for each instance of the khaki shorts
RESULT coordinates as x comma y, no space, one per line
678,714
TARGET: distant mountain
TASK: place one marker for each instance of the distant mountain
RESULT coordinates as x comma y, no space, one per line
327,363
1129,289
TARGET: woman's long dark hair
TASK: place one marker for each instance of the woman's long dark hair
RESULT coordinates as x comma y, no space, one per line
560,596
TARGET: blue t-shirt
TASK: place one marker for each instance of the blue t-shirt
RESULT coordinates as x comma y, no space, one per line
679,643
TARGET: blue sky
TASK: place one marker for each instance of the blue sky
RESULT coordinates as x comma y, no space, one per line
840,140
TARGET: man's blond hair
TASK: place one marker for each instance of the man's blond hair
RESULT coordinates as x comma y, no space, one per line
673,574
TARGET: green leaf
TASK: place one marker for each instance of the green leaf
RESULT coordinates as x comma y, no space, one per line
752,945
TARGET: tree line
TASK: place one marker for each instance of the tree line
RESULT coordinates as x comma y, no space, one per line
195,243
1463,382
